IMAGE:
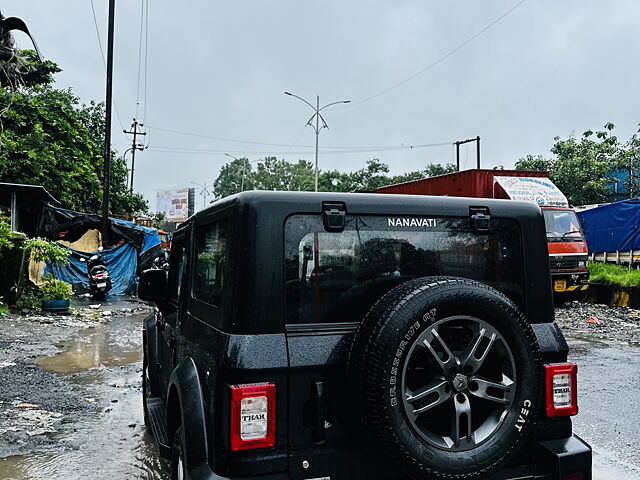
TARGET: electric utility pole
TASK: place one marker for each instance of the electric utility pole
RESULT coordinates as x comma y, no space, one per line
317,117
457,144
107,128
134,146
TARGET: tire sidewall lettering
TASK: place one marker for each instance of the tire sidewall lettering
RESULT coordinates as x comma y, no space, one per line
395,370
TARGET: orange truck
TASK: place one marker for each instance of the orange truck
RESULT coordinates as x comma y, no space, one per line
568,251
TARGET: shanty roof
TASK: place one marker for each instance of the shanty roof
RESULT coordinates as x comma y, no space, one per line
36,190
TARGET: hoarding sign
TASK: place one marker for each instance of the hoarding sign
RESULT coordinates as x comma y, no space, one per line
538,190
174,203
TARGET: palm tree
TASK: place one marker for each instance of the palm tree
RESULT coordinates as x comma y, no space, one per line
11,62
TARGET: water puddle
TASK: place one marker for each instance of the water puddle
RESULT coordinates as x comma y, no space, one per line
140,463
118,342
111,441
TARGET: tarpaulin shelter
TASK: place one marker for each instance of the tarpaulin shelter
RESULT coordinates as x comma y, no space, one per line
134,247
612,228
120,260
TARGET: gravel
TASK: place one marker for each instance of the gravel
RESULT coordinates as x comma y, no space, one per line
599,322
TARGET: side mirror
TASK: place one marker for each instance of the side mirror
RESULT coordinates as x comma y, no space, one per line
153,286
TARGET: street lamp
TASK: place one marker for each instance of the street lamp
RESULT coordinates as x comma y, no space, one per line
243,168
204,192
317,109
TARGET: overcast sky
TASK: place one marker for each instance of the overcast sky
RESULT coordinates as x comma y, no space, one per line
219,69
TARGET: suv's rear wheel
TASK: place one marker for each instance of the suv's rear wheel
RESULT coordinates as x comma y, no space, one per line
178,467
449,376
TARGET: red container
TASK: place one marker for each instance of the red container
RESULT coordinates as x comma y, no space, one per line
468,183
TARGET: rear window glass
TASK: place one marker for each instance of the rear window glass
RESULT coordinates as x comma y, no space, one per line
210,262
336,277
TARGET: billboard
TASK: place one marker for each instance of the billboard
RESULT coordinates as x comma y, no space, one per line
176,203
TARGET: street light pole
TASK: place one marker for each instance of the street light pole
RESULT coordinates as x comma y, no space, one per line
204,192
318,116
243,169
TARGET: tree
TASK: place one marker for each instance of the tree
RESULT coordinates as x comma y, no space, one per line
233,177
629,163
47,138
436,169
274,174
584,168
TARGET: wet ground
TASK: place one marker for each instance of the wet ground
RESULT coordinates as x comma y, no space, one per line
609,402
70,401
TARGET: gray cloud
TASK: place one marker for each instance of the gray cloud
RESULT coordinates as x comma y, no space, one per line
220,69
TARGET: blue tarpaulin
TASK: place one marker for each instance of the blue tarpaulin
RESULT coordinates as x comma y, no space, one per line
138,248
151,237
120,261
612,228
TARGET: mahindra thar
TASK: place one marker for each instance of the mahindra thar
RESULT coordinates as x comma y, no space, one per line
326,336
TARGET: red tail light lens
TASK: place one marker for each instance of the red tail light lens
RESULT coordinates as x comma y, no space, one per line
574,476
253,416
561,383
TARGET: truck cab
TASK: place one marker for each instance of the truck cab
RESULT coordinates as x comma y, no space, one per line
568,253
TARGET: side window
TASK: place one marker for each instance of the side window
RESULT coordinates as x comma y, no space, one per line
177,261
210,262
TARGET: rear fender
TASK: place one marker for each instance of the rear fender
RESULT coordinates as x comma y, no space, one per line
185,407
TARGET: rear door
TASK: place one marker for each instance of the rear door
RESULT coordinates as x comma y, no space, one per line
167,327
332,280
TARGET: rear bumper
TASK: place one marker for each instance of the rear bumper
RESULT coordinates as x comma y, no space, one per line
564,281
565,456
556,459
204,472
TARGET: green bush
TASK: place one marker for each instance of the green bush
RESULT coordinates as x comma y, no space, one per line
5,233
53,289
613,274
43,250
30,297
4,309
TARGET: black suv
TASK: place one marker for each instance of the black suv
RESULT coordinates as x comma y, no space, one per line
360,336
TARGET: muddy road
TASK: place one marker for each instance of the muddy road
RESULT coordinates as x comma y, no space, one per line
70,402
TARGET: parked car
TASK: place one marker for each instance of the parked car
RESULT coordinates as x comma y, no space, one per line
360,336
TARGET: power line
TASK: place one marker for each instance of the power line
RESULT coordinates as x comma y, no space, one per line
167,149
268,144
436,62
104,61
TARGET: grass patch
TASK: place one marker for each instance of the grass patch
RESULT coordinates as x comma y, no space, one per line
613,274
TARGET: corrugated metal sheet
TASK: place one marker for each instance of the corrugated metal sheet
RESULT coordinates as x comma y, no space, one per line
468,183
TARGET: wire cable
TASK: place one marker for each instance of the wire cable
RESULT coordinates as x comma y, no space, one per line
434,63
269,144
177,150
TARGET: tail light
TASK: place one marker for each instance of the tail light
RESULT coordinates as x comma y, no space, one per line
574,476
253,416
561,382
